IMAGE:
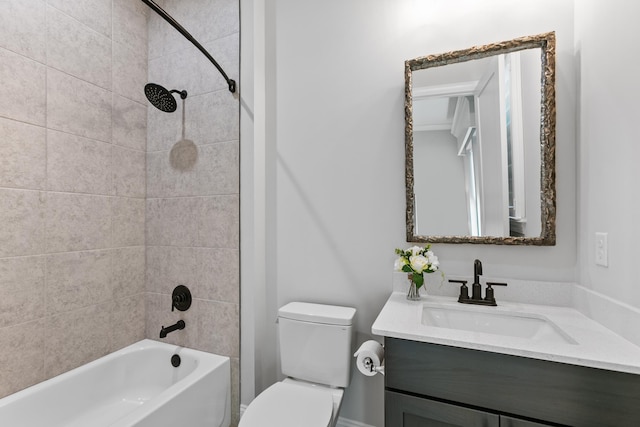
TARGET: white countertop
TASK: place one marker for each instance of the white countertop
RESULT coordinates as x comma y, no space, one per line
596,346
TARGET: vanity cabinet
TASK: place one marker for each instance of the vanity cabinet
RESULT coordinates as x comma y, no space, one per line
404,410
506,421
431,385
411,411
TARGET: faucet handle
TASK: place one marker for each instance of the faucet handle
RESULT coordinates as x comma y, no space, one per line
489,292
181,298
489,284
464,290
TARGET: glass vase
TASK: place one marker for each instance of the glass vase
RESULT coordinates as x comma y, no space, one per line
414,290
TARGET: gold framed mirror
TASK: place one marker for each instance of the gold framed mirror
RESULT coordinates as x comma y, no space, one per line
480,129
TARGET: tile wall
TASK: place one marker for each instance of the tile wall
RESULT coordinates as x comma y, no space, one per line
83,177
72,184
192,208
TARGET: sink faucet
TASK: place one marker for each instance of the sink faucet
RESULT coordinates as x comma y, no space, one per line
476,288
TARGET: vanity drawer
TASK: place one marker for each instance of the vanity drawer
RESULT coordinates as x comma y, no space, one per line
403,410
516,422
552,392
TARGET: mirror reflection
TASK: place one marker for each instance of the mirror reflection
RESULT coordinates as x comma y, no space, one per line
480,144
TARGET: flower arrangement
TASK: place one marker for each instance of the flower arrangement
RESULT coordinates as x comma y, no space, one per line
416,261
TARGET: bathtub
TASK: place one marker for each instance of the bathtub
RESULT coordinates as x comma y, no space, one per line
136,386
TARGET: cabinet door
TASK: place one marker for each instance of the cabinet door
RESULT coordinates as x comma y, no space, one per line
402,410
516,422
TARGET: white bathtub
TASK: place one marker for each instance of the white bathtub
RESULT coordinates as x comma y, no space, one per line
135,386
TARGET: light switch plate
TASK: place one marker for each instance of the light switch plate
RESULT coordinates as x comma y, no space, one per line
602,250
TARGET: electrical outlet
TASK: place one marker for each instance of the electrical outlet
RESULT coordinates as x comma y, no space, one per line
602,250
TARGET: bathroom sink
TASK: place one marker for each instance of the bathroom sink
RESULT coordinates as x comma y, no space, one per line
488,321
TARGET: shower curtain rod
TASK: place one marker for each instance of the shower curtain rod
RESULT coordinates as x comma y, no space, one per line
185,33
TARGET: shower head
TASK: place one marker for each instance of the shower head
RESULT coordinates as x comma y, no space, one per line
162,98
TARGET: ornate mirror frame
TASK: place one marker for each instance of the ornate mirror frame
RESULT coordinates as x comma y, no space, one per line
547,136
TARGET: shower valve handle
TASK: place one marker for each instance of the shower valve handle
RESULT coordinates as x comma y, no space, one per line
177,300
181,298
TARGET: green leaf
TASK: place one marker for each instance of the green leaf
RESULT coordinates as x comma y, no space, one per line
407,268
418,279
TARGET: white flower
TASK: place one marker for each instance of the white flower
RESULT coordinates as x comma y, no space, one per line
417,260
400,262
419,263
432,256
415,250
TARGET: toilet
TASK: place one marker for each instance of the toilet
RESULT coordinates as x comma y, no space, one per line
315,355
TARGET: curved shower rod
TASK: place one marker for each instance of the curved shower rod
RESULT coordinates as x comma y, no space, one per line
181,30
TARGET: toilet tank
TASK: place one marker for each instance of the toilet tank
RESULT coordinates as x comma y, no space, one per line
316,342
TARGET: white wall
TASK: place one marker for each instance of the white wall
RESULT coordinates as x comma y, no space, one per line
334,206
608,152
257,181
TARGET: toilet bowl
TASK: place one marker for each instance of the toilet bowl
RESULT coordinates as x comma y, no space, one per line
315,355
292,403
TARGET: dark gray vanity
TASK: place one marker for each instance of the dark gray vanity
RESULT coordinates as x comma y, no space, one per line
515,365
438,385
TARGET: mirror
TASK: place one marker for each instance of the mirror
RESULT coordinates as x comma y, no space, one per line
480,144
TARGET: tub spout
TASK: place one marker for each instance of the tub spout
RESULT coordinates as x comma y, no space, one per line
164,331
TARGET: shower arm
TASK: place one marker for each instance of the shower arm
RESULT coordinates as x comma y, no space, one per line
185,33
183,93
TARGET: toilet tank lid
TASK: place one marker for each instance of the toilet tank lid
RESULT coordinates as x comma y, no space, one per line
318,313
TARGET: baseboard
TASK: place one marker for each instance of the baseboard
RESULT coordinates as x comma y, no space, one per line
342,422
345,422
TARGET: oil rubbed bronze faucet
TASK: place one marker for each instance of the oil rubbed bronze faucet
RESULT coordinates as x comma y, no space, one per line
178,325
476,288
180,299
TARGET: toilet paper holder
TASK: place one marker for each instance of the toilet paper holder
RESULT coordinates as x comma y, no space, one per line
370,358
369,365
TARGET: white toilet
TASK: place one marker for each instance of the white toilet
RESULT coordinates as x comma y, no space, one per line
315,355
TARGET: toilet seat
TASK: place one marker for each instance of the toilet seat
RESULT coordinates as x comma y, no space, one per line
289,405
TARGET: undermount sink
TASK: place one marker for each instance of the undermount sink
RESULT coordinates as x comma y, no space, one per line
480,319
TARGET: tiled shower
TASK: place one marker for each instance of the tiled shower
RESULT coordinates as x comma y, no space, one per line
106,203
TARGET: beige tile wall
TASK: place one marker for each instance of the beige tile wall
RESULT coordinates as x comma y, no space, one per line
72,184
192,211
107,204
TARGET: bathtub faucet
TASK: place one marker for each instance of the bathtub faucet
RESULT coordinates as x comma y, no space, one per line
164,331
